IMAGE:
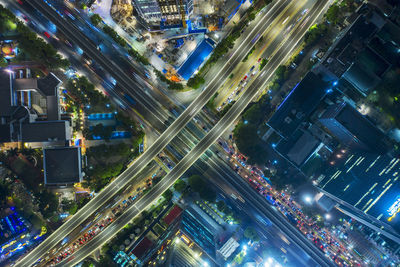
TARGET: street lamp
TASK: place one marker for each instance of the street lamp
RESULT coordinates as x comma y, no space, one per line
308,199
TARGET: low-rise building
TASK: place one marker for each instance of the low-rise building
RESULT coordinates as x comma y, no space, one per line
29,109
62,166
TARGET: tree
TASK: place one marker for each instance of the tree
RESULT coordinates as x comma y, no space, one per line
70,206
264,62
249,143
198,185
196,81
315,33
281,73
252,16
48,203
175,86
3,62
87,263
5,191
180,186
250,233
167,195
95,19
332,15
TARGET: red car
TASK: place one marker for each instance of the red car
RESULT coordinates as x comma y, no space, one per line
47,34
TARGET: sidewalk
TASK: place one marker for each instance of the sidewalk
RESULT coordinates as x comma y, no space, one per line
104,10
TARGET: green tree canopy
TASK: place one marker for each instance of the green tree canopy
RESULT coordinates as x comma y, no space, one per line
250,233
180,186
332,15
205,191
95,19
249,143
196,81
167,195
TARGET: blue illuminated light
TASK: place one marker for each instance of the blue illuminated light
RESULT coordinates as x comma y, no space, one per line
291,92
395,207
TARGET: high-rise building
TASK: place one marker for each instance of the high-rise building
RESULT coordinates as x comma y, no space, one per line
200,228
353,129
366,187
148,10
158,10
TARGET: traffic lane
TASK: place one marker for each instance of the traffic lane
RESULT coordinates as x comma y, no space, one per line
285,12
187,161
244,68
149,107
217,174
201,147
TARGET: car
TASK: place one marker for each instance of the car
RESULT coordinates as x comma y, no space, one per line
47,34
245,77
259,59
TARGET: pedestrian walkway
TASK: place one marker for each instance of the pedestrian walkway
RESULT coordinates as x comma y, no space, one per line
103,9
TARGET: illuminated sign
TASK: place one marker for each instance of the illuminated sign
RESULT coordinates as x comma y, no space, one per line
394,209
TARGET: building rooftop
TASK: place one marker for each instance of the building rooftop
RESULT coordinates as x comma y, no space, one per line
5,133
45,131
62,165
49,84
365,180
344,51
193,62
172,215
361,79
361,127
5,93
298,105
299,147
46,86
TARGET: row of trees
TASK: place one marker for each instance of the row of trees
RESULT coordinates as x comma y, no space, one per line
245,132
85,92
171,85
199,185
96,20
31,46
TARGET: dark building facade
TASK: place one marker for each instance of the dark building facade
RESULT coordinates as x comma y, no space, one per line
366,185
353,129
200,228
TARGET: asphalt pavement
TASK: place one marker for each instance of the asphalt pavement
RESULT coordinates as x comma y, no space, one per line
107,193
289,43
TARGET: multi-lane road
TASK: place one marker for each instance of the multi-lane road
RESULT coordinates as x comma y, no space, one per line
152,111
205,143
175,127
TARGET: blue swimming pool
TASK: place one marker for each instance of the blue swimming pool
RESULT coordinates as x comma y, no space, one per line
101,116
202,51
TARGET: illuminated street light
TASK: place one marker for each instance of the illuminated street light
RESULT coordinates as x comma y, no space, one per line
308,199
